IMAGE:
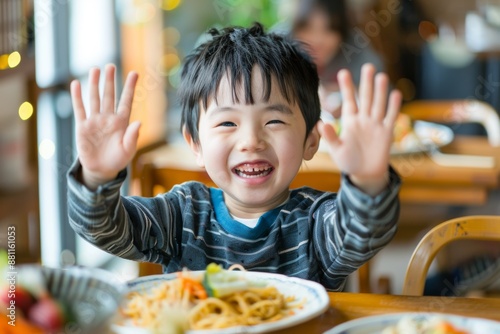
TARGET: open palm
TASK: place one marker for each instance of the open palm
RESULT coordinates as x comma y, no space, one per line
106,142
363,147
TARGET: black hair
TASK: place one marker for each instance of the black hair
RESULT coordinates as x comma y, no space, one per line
335,10
234,51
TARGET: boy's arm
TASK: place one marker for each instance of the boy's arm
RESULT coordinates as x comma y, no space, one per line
362,150
105,140
129,227
354,229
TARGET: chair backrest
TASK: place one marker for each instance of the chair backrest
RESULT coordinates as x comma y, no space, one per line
457,111
467,227
155,180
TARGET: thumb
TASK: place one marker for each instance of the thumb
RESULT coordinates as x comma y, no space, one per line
130,137
328,133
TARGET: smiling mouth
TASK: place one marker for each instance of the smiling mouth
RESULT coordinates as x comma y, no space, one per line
253,171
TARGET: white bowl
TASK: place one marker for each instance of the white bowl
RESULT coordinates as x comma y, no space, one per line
92,295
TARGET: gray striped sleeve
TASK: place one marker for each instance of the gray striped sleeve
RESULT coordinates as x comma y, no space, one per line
350,231
128,227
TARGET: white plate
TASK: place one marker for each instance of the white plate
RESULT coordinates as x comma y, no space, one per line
375,324
315,296
431,136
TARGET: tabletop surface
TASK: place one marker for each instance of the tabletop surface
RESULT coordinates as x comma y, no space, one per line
421,167
347,306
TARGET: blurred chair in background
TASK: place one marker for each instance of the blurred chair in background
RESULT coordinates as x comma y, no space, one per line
474,255
461,281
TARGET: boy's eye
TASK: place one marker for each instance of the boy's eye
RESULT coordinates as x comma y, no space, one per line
275,121
227,124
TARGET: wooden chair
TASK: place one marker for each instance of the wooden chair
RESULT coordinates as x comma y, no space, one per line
457,112
467,227
156,180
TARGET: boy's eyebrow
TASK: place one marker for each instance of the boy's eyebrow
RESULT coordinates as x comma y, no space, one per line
282,108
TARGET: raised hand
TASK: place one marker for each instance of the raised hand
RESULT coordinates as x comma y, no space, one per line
363,148
106,142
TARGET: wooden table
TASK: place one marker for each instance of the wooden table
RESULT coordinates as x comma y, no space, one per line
424,182
347,306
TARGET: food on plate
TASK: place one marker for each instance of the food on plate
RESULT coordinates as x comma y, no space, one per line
22,326
29,305
405,137
213,299
416,325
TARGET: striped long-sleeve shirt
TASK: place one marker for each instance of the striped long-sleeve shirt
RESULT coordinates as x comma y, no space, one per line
315,235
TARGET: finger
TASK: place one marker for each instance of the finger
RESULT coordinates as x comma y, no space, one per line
328,134
108,98
366,88
76,99
95,101
380,98
393,109
127,97
348,91
130,137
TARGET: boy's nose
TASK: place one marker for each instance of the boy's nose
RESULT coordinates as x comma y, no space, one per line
251,141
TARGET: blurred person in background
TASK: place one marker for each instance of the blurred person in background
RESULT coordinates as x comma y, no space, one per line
324,27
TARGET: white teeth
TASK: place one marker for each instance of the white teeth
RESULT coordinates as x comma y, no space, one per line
249,170
250,176
253,172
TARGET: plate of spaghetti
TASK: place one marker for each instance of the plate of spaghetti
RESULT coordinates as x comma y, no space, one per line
218,301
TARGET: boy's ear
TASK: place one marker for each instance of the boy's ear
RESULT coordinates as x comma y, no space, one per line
312,143
195,147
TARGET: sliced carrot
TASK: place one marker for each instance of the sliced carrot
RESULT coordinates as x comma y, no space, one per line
22,326
193,287
448,328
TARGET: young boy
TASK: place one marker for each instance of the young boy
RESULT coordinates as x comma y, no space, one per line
251,116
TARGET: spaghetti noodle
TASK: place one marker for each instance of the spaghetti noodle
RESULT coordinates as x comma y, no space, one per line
251,306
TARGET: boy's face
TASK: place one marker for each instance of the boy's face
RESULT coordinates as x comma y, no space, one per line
252,152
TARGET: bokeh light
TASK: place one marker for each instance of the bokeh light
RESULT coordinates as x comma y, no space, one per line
4,62
25,110
148,12
14,59
170,4
171,36
170,61
46,149
427,30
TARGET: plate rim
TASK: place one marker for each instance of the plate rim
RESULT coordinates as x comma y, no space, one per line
344,327
417,125
321,303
